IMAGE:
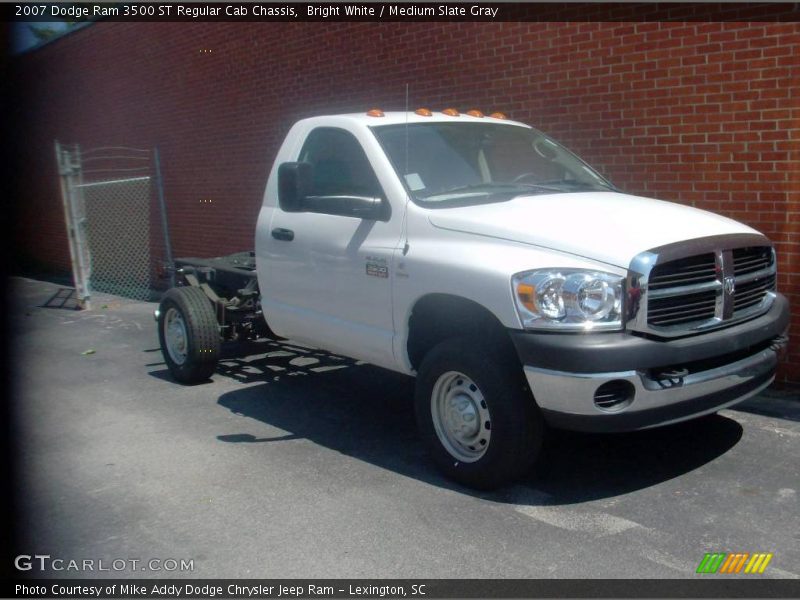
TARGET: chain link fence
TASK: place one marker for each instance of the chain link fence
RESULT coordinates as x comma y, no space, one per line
116,220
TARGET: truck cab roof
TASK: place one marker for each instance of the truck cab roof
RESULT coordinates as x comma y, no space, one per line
401,117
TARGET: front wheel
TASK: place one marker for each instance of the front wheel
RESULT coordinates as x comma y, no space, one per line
189,334
476,415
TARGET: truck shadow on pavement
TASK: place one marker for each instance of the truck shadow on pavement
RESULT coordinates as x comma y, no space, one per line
367,413
270,360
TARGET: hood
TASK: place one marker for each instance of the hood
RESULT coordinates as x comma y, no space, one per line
604,226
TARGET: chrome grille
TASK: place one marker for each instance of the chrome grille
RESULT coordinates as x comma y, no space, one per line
695,269
725,279
754,268
750,260
752,293
677,310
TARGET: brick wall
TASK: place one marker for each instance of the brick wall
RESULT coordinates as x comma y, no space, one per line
703,112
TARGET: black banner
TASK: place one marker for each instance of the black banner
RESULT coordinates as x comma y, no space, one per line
248,11
701,587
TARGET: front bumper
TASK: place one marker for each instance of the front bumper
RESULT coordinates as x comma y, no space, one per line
659,382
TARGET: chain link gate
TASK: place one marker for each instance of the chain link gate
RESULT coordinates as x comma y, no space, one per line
117,229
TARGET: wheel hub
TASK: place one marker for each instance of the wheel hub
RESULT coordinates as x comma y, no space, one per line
175,336
460,416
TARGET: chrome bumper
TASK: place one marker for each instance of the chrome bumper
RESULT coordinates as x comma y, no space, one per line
567,399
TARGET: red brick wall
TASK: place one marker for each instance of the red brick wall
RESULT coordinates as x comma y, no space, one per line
705,113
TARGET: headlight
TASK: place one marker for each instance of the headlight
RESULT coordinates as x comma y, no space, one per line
567,299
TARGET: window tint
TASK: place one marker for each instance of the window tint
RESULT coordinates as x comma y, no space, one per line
440,163
467,162
340,165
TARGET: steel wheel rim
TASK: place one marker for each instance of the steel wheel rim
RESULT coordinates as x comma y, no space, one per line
461,417
175,337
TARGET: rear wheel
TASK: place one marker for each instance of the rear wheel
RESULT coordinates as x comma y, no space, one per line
189,334
477,416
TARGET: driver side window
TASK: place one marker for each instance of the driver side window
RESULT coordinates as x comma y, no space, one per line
340,166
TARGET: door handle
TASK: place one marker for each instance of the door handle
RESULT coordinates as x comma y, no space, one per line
285,235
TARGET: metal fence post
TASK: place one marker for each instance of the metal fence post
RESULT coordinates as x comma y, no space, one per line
164,222
66,171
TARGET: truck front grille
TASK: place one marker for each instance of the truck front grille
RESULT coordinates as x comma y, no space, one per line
750,260
752,293
709,289
687,271
677,310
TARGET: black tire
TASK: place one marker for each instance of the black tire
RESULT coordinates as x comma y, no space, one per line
202,340
516,425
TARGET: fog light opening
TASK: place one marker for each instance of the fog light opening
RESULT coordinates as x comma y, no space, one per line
614,396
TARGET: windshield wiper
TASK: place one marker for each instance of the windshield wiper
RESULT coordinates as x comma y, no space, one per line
545,187
472,187
579,185
505,188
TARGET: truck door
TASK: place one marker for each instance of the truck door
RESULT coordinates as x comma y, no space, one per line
328,277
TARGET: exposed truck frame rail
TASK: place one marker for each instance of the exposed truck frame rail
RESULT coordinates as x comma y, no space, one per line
231,286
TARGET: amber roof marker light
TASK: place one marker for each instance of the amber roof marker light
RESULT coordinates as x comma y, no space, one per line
498,115
450,112
375,112
475,113
423,112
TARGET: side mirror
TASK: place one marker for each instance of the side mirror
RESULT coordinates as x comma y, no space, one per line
295,188
294,185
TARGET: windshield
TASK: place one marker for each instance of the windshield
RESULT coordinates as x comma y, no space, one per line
445,164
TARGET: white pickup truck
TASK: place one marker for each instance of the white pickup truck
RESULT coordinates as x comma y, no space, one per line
518,285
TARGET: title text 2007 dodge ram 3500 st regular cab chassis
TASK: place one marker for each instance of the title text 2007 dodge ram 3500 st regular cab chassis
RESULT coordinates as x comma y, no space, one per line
518,285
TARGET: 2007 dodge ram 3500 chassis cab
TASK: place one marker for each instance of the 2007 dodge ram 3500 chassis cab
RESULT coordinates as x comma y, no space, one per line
518,285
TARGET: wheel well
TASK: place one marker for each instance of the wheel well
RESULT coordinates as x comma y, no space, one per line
437,317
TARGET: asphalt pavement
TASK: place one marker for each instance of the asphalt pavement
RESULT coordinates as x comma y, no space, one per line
293,462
